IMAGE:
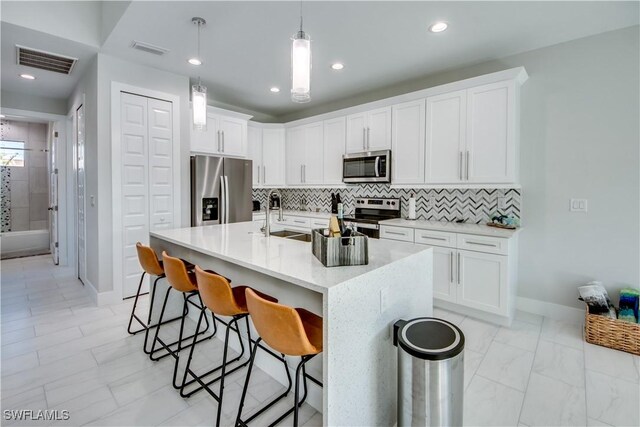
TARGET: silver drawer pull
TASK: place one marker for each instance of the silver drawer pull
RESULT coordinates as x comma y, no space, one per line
433,238
395,233
482,244
299,221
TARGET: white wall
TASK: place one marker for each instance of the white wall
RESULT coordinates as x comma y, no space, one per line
579,139
41,104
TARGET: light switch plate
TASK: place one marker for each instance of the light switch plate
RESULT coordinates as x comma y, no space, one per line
578,205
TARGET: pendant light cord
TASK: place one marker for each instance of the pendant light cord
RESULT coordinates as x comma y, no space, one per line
300,15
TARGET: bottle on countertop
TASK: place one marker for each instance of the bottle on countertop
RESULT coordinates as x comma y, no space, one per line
334,204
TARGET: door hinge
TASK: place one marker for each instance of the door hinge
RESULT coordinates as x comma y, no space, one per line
55,208
55,171
55,134
56,244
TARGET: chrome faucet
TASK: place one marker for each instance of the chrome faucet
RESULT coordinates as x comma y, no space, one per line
267,225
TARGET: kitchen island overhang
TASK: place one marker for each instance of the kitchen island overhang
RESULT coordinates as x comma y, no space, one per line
359,305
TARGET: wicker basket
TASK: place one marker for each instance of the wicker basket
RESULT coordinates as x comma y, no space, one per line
612,333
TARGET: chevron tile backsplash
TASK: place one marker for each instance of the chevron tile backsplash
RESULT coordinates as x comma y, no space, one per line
472,205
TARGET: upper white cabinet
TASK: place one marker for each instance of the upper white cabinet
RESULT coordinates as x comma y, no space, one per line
491,142
304,154
471,135
369,131
266,150
335,134
408,147
226,134
446,131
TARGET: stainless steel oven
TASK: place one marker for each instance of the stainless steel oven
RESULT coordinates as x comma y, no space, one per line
368,166
369,212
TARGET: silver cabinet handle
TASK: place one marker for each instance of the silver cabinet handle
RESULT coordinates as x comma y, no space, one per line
424,236
467,165
299,221
258,174
222,132
460,169
458,268
264,174
219,148
396,233
364,138
368,138
301,179
491,245
304,171
451,266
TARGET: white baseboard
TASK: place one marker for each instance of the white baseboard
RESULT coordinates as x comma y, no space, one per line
101,298
93,293
551,310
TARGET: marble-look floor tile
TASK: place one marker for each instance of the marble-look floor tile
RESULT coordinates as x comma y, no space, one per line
87,407
612,400
596,423
487,403
20,363
61,351
23,399
478,335
549,402
18,335
560,362
315,421
611,362
142,383
472,360
560,332
521,334
507,365
151,410
452,317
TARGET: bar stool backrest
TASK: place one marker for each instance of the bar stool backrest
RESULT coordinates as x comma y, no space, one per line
149,260
279,326
216,294
177,274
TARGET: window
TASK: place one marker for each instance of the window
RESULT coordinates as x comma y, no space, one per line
12,153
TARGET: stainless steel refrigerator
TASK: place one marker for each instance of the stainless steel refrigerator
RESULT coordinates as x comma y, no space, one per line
220,190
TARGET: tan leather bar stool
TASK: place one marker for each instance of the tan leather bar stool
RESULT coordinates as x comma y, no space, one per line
222,300
153,267
291,331
184,282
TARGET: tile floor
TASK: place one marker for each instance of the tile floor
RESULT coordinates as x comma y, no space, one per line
59,351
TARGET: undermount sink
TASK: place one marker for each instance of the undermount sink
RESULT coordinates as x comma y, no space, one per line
294,235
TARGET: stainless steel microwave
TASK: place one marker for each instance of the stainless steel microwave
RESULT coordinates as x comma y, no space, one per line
368,166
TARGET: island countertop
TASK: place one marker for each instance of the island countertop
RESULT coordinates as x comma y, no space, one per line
290,260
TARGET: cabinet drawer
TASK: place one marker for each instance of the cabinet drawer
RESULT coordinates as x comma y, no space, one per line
491,245
319,223
396,233
297,221
435,238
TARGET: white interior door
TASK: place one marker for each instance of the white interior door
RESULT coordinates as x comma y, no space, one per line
160,164
81,195
53,196
135,187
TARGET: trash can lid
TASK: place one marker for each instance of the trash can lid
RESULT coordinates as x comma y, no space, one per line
431,339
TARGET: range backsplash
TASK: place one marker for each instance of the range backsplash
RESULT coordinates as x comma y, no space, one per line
472,205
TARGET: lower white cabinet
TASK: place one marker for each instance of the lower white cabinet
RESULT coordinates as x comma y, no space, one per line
469,271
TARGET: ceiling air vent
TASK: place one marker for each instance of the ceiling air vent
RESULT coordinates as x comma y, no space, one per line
45,60
149,48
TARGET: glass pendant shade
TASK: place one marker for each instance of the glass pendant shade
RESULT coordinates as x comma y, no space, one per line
301,68
199,104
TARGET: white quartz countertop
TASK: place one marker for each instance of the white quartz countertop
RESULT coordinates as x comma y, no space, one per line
286,259
451,227
308,214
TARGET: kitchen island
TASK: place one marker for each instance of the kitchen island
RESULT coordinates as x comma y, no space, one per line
359,305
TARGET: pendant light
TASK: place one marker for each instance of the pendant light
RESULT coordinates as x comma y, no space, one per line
198,91
301,65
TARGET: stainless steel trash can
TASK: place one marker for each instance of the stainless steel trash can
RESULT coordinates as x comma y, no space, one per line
430,372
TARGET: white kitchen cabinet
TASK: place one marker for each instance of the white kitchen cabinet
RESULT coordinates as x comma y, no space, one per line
444,274
369,131
334,148
254,152
233,136
482,281
273,157
402,234
304,154
226,134
490,155
446,137
408,123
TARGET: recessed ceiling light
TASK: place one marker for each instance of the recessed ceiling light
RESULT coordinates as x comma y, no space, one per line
438,27
337,66
275,89
195,61
27,76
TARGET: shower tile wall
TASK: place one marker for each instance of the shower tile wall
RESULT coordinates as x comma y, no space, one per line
472,205
28,195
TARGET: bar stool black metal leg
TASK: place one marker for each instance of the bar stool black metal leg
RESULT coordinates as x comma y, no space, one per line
193,346
239,421
195,334
133,310
155,338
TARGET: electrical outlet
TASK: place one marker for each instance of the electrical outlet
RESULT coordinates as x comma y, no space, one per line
578,205
502,203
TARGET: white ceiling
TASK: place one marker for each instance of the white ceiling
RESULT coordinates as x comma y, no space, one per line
246,46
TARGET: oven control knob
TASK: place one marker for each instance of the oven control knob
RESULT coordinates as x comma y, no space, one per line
393,203
388,203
